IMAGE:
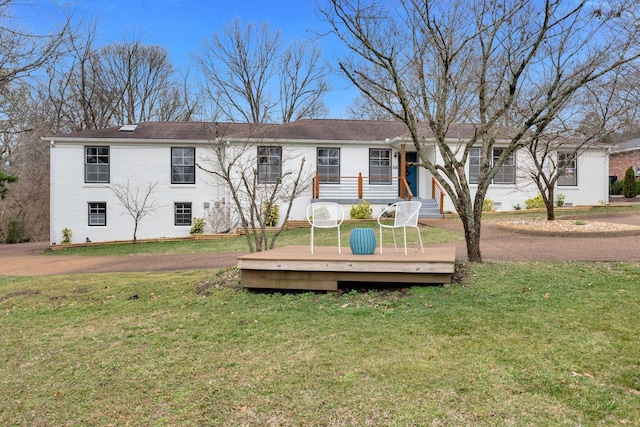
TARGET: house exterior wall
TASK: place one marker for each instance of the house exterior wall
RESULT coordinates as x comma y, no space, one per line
620,162
591,189
146,162
139,165
143,163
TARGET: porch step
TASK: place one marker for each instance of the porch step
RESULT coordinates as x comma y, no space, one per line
429,209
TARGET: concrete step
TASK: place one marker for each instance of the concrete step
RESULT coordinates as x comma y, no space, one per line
429,209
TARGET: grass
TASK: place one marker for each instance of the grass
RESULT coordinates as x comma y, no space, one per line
323,237
513,344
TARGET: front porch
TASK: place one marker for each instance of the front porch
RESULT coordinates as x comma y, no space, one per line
353,189
295,268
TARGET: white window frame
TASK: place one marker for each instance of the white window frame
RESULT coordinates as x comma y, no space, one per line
380,166
328,164
269,164
183,165
475,155
569,176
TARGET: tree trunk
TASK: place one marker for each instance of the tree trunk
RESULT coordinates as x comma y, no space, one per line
548,204
551,211
471,221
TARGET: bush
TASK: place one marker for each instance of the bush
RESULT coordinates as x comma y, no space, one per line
361,210
535,203
197,226
560,200
488,205
66,236
222,218
616,188
271,214
629,189
15,231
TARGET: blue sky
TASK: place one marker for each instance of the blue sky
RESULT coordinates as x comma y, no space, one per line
181,26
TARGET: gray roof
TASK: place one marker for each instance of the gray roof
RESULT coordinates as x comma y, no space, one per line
626,146
307,129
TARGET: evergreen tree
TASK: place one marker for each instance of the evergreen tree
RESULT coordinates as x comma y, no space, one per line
629,185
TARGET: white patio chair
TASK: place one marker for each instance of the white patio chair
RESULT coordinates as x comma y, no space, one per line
325,215
405,215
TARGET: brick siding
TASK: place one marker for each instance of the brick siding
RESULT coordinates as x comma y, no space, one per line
619,163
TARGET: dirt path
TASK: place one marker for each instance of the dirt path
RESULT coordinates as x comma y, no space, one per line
28,259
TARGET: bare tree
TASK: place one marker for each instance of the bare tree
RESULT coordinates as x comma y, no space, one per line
556,145
239,67
76,90
505,65
136,202
22,53
363,109
141,75
121,83
236,165
302,83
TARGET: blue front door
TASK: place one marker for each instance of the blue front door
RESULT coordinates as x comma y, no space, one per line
411,172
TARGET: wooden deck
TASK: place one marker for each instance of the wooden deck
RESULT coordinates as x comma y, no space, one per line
294,267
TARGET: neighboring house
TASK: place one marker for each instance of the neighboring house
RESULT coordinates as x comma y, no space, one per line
349,160
623,155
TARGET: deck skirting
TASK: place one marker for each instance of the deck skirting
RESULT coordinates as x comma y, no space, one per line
294,267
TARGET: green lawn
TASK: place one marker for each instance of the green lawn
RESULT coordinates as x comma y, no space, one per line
513,344
300,236
323,237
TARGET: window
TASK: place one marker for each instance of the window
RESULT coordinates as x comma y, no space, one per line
97,214
567,169
182,214
506,174
96,164
183,165
329,165
474,165
379,166
269,164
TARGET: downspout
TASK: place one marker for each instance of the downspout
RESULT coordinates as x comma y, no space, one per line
52,191
605,199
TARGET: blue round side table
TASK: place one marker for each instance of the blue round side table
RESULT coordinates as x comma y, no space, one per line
362,241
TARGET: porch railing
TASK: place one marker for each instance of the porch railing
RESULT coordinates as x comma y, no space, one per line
360,187
437,194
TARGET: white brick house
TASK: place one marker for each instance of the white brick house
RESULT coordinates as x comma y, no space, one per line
349,158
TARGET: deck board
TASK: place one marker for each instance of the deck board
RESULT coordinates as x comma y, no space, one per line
294,267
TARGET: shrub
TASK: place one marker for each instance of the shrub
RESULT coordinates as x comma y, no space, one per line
488,205
66,236
616,188
271,214
560,200
15,231
222,218
197,226
361,210
535,203
629,189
